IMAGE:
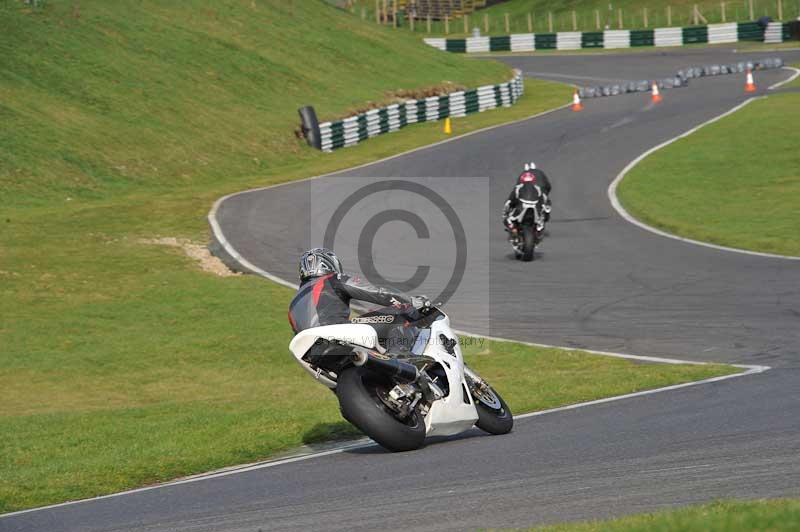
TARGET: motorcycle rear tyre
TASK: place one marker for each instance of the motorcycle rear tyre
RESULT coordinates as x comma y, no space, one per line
361,406
528,243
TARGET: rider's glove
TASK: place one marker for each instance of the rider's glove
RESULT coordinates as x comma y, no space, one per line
420,302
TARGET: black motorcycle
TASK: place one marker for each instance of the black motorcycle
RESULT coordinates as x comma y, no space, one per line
526,228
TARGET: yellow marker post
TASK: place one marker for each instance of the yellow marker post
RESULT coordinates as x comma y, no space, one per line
448,127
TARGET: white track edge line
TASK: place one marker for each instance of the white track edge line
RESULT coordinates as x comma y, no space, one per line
642,358
362,444
791,79
751,371
615,203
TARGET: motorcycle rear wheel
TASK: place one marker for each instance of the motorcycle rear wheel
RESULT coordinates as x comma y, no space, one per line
360,404
528,243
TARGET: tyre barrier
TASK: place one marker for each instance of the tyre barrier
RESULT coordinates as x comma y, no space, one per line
681,78
772,32
354,129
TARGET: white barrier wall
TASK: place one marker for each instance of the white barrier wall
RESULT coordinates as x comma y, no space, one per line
441,44
773,33
523,42
617,39
568,40
722,33
458,105
478,44
668,36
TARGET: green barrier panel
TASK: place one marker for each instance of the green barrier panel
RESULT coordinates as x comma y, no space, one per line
403,117
545,41
787,31
420,110
749,31
444,107
471,97
383,120
362,124
695,34
498,98
592,39
646,37
337,128
456,45
500,44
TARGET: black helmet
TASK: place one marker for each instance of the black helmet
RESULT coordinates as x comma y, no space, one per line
318,261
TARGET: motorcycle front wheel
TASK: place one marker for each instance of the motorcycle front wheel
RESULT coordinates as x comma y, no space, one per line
360,402
494,416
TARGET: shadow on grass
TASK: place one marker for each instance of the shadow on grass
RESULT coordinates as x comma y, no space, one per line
331,432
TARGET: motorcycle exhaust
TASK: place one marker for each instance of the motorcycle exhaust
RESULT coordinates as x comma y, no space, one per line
391,367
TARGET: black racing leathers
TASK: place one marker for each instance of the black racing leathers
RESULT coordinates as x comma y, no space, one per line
326,300
523,192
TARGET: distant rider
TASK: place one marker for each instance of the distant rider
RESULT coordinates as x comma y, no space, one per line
326,291
541,178
544,183
529,188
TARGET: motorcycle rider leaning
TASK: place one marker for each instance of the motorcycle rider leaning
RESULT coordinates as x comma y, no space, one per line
325,293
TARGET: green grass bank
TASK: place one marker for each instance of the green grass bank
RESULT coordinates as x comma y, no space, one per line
122,362
779,515
735,182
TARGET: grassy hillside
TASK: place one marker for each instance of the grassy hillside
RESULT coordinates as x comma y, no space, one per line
100,98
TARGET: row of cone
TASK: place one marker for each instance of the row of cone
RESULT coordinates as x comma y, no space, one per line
655,94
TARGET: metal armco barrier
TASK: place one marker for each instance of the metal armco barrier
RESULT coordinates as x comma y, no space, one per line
354,129
573,40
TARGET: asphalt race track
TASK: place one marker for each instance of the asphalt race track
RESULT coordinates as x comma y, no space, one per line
598,282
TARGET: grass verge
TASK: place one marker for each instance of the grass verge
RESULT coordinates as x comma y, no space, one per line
796,82
735,182
775,515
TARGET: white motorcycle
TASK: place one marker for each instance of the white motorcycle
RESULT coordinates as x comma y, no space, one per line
419,387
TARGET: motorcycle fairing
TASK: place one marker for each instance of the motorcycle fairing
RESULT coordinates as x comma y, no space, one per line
352,334
456,412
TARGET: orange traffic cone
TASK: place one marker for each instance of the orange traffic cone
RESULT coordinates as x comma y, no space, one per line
656,94
576,101
750,85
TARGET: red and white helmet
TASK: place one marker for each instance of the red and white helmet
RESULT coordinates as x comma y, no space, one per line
527,177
